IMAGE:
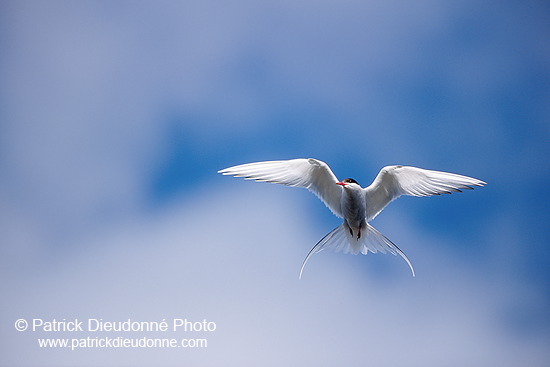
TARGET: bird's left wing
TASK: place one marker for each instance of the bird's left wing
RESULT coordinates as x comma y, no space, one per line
394,181
312,174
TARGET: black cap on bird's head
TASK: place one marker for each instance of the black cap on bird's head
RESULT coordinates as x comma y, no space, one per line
347,181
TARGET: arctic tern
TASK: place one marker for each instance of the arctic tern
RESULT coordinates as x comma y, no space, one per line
347,200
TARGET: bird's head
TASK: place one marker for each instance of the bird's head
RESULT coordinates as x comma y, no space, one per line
349,183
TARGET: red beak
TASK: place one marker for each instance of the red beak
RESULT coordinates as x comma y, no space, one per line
340,183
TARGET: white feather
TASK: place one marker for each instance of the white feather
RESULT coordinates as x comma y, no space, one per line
312,174
394,181
340,240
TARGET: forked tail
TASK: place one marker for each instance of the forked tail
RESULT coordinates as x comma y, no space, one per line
339,239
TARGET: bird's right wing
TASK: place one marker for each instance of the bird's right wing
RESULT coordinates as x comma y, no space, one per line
312,174
394,181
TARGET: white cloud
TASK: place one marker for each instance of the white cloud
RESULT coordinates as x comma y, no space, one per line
233,258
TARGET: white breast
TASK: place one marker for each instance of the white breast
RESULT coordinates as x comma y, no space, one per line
354,206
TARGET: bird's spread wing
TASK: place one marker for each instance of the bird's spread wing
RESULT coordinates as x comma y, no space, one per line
314,175
394,181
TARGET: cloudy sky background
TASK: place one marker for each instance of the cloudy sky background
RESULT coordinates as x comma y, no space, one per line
115,117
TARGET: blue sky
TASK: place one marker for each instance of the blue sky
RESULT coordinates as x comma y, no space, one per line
115,117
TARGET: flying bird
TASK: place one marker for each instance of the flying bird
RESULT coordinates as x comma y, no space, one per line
348,200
